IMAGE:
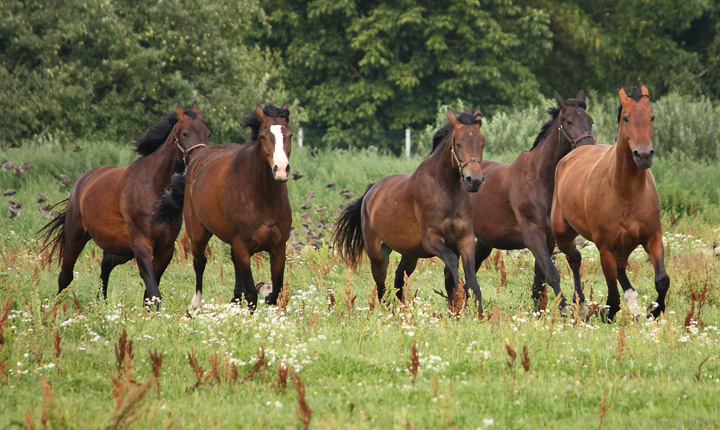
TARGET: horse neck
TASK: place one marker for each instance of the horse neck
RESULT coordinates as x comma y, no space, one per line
444,168
162,163
547,155
626,173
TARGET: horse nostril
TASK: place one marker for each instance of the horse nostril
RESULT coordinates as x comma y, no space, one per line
275,169
481,179
636,154
652,152
287,169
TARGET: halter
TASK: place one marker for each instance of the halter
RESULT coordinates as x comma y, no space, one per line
573,142
186,152
461,165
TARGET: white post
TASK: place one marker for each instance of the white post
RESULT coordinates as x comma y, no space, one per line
300,137
407,142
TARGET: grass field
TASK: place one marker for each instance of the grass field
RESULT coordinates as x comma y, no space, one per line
336,358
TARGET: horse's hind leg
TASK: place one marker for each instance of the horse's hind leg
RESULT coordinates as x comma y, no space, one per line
199,238
75,239
656,251
379,256
405,268
565,237
631,295
109,262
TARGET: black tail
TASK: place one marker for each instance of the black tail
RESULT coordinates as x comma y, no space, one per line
170,206
53,233
347,234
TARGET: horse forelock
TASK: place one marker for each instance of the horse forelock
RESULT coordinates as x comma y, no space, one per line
253,122
445,132
554,112
158,133
635,95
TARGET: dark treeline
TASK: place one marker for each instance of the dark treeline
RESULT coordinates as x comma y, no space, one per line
108,69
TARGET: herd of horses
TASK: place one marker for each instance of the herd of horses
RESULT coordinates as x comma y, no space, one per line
455,206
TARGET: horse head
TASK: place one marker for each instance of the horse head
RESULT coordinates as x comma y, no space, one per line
635,124
574,122
190,131
466,145
276,140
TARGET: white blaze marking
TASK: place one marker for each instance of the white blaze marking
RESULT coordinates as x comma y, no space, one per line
196,302
280,160
631,297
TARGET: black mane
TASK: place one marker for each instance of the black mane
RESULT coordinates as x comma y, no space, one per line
635,95
157,134
270,110
442,135
554,112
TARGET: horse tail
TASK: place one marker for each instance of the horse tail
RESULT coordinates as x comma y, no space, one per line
170,205
347,234
53,234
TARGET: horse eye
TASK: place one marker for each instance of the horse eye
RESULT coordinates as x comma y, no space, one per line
626,119
569,122
185,133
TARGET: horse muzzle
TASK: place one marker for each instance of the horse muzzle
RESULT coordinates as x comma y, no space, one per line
472,183
280,174
643,158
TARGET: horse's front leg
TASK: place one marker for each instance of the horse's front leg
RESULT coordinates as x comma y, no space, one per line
434,244
142,248
537,241
655,249
244,283
277,273
466,246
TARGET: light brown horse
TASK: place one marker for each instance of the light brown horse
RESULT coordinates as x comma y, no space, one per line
512,209
607,194
238,193
113,205
421,215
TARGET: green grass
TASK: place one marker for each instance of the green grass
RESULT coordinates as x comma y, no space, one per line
352,361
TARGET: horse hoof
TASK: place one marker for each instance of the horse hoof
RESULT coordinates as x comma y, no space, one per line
153,301
196,302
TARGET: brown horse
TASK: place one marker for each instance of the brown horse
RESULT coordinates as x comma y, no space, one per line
113,205
512,209
607,194
238,193
421,215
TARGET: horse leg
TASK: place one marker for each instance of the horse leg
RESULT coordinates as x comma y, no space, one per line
199,238
109,262
467,246
539,244
379,255
630,294
75,239
656,251
435,245
405,268
244,282
161,261
277,273
142,248
482,252
565,238
609,267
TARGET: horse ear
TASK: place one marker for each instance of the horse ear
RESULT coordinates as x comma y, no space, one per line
179,112
560,101
284,106
452,118
644,91
581,96
195,108
259,112
623,96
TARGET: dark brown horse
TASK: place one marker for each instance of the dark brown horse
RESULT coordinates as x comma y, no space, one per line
238,193
113,205
512,209
607,194
421,215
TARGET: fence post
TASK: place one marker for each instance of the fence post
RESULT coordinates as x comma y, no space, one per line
300,137
407,142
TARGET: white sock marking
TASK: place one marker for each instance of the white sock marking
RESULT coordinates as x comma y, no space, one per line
196,302
279,158
631,297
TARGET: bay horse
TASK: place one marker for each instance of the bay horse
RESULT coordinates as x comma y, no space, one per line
607,194
512,209
421,215
238,193
113,206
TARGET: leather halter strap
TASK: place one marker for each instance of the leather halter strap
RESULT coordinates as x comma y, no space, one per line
574,142
186,152
461,165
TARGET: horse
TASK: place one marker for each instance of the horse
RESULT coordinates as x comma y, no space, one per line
421,215
113,206
512,209
238,193
607,194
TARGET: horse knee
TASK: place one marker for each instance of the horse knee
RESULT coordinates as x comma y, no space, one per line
662,282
